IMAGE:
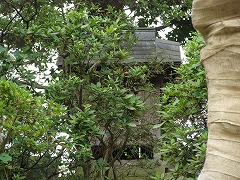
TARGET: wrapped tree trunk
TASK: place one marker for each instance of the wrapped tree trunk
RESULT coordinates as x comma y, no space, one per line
219,23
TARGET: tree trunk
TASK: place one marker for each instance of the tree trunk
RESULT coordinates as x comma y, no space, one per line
219,23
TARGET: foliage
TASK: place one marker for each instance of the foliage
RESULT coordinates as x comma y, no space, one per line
177,15
92,82
28,134
174,14
99,91
95,78
184,114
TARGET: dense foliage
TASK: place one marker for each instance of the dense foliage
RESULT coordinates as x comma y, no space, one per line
55,114
183,110
164,13
29,136
51,116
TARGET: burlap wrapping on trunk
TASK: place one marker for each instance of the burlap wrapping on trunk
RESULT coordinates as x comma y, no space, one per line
219,23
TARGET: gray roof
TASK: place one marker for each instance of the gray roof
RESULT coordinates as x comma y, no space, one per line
148,47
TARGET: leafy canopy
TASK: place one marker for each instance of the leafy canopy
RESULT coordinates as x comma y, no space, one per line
183,111
98,92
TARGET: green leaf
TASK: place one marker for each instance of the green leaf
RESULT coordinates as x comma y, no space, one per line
98,85
100,132
131,108
5,158
157,126
132,124
181,178
128,96
2,49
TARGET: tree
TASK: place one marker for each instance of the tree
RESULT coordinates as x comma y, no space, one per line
97,89
174,14
100,93
28,134
183,114
220,57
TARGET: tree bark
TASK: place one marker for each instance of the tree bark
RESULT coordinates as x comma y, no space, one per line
219,23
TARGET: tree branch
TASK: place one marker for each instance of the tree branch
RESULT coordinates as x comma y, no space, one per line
18,12
33,84
94,66
124,143
5,28
36,162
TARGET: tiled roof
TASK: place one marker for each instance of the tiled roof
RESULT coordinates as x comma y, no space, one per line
148,47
